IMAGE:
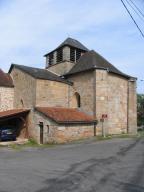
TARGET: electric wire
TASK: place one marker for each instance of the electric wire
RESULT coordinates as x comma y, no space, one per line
132,18
137,8
137,12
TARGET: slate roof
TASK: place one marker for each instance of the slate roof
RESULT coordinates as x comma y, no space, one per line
72,43
12,113
92,60
38,73
5,80
65,115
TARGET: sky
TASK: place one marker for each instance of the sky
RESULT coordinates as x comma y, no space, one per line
30,29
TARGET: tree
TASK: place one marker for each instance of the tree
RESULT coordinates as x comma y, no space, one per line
140,109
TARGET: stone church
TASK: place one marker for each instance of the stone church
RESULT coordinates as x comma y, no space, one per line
78,95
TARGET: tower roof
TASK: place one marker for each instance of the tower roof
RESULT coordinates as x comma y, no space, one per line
72,43
92,60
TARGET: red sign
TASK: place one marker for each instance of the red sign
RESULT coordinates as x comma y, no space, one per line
104,116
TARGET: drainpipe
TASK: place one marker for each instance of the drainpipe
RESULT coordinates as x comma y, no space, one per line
128,107
94,101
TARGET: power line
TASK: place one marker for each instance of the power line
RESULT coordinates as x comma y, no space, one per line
132,18
137,12
137,8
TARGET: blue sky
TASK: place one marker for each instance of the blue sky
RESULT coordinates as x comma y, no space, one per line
29,29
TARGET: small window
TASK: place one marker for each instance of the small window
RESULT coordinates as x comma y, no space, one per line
22,103
78,100
48,129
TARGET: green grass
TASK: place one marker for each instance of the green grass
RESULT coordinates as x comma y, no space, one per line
30,143
122,136
141,133
33,143
14,147
101,138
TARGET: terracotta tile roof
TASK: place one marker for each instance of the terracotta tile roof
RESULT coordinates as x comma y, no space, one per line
12,112
5,79
65,115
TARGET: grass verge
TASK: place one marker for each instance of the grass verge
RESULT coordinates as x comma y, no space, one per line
33,143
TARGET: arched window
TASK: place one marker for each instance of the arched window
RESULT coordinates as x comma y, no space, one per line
76,100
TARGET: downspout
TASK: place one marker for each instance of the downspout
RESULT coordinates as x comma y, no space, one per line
128,107
68,96
94,100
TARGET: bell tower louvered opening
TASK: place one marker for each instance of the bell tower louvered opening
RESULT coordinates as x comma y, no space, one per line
70,50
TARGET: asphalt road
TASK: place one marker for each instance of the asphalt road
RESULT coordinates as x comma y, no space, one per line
107,166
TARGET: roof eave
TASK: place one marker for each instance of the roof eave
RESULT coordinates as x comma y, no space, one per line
77,122
101,68
9,116
7,86
91,69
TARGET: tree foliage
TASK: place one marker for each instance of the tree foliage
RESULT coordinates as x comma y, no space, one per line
140,109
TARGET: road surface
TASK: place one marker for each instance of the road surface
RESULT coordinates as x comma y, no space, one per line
115,165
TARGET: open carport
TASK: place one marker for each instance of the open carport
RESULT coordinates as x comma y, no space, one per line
16,118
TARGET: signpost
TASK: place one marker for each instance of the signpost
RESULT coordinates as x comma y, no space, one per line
103,118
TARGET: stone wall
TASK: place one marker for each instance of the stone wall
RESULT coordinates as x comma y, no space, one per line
84,85
25,89
51,93
105,93
61,68
101,92
54,133
132,105
67,133
117,104
111,99
6,98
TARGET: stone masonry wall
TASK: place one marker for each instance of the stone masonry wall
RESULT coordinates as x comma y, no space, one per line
73,132
54,133
6,98
117,104
84,85
132,104
25,89
111,99
51,94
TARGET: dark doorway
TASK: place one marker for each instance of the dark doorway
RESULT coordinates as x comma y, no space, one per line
41,132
